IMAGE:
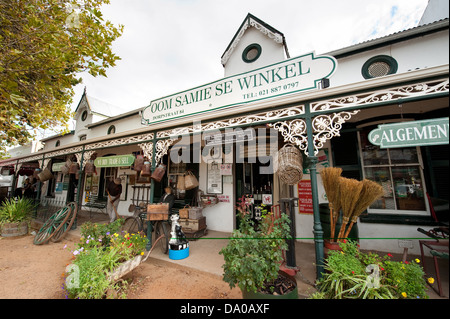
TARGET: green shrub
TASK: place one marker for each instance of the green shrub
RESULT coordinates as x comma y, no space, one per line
352,274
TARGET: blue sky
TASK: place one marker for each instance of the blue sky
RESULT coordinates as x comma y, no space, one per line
172,45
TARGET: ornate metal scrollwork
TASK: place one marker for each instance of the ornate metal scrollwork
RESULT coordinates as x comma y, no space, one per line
324,127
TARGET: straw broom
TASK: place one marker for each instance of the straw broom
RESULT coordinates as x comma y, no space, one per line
330,178
349,190
370,192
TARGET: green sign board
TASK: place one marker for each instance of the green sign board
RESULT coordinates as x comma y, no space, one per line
114,161
409,134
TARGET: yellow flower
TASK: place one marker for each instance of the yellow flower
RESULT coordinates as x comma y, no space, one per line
417,260
142,254
342,252
404,294
431,280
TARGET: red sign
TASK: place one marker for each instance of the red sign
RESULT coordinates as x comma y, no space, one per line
305,203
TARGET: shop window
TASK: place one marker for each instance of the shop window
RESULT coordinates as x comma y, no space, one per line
378,66
251,53
398,171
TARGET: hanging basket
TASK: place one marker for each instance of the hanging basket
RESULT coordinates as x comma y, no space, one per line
159,172
74,168
146,169
89,168
139,163
190,181
45,175
290,164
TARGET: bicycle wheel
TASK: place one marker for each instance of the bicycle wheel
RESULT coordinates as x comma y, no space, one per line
162,228
132,225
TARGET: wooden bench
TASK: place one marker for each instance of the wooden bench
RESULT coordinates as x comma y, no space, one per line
96,204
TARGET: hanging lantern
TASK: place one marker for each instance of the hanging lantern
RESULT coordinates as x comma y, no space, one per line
146,169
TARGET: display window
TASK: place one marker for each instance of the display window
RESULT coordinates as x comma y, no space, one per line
398,171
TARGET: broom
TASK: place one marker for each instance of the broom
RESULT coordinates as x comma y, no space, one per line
330,179
349,190
370,192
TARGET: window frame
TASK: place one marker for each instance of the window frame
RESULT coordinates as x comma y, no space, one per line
390,166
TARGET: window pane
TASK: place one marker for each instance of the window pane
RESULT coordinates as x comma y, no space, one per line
372,154
403,155
382,176
408,188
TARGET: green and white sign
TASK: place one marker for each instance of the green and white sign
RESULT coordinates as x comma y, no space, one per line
114,161
294,75
408,134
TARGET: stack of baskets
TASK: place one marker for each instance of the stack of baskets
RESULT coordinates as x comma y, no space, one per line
290,164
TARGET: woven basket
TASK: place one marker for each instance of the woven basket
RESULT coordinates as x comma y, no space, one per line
290,164
45,175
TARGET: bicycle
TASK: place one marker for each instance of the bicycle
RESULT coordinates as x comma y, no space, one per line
138,223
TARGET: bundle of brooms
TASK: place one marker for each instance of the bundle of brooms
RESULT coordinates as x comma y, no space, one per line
350,195
330,179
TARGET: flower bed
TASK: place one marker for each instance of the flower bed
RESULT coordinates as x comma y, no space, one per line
101,250
352,274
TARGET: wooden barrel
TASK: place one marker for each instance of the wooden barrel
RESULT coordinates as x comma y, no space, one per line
14,229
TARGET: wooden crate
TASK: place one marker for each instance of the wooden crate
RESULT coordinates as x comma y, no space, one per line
158,211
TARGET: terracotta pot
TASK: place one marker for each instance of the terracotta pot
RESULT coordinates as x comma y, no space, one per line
329,246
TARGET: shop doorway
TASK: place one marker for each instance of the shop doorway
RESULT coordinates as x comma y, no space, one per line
257,188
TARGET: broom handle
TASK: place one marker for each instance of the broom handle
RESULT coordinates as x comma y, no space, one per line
348,229
342,231
332,225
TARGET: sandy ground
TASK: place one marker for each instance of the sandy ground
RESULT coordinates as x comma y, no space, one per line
29,271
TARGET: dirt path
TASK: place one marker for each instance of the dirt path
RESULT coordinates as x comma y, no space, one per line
28,271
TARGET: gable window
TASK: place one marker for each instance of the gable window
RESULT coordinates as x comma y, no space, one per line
84,116
251,53
82,137
111,130
378,66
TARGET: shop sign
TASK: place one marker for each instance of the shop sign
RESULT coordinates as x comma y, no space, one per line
114,161
409,134
290,76
57,167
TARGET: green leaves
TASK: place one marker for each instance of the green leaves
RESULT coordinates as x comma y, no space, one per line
41,54
254,252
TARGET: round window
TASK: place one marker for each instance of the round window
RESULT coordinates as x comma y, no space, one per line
84,116
380,65
251,53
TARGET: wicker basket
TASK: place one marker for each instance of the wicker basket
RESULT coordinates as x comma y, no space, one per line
290,164
158,211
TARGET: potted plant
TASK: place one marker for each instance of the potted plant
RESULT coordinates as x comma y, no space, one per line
353,274
15,213
254,254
